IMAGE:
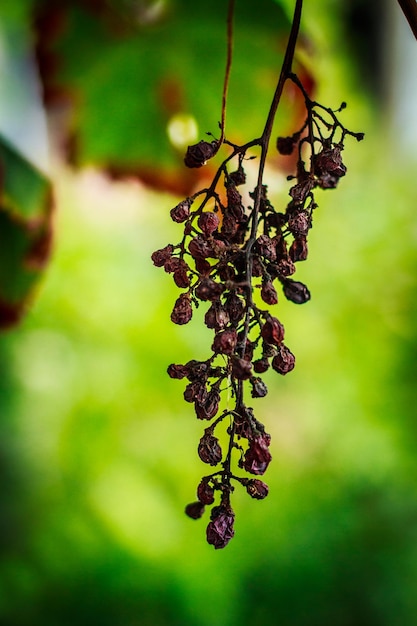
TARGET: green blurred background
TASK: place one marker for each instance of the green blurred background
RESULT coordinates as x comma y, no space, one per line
97,447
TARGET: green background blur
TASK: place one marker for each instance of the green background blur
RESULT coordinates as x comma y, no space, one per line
98,449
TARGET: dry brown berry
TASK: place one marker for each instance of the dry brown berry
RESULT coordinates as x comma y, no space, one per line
209,449
257,456
261,365
257,489
205,493
199,247
298,250
284,361
198,154
299,222
285,145
241,369
220,529
266,247
295,291
272,331
181,212
269,293
208,222
182,311
159,257
225,341
207,409
259,389
216,317
208,289
195,510
181,278
177,371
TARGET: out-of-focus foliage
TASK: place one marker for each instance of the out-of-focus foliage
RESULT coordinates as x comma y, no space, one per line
149,68
25,211
98,450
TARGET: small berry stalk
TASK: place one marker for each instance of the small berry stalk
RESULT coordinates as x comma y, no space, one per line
236,259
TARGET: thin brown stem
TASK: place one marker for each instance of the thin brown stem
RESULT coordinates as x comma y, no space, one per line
230,14
264,143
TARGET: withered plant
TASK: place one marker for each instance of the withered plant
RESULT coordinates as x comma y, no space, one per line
226,251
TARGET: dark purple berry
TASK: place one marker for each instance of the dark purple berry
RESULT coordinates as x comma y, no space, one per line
284,361
209,449
195,510
182,311
159,257
220,529
198,154
295,291
208,222
273,331
257,489
205,492
181,212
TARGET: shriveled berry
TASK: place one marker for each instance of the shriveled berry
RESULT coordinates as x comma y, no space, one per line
235,307
177,371
301,190
202,266
229,226
208,222
220,529
285,145
273,331
225,341
205,492
198,154
195,390
241,368
159,257
181,212
200,248
238,177
181,277
197,370
195,510
261,365
234,201
209,449
257,489
299,222
257,266
285,267
173,264
208,289
216,316
266,247
182,311
259,389
257,456
330,161
295,291
269,293
207,409
298,250
284,361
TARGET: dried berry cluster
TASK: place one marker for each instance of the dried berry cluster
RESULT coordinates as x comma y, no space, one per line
235,255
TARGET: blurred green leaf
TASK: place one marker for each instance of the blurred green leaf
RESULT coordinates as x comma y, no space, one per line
127,79
25,231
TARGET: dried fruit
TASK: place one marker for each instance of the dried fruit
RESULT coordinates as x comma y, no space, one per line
209,449
257,489
233,241
220,529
